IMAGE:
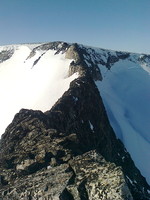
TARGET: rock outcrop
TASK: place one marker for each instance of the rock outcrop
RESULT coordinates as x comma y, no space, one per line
70,152
6,54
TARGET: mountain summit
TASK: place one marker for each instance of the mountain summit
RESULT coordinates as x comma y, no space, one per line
72,113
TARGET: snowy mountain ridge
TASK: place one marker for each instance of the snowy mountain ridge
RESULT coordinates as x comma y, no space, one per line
36,77
124,87
21,79
97,55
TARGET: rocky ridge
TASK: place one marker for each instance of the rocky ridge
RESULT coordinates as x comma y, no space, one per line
71,151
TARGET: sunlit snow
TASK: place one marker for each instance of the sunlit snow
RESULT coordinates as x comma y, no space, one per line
125,90
23,85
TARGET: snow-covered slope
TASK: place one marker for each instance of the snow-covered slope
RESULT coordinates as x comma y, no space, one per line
125,90
30,80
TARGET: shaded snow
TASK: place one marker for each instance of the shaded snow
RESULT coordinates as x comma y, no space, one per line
125,90
75,99
23,85
129,180
91,126
146,67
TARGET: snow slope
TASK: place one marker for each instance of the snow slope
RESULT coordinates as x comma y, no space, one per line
24,85
125,90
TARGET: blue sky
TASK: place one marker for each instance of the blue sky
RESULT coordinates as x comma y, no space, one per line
112,24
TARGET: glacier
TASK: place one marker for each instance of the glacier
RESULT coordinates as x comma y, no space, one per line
125,90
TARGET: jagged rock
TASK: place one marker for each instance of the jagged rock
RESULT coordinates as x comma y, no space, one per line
86,176
97,179
6,54
46,184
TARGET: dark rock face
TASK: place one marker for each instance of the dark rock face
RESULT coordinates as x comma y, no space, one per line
6,54
69,152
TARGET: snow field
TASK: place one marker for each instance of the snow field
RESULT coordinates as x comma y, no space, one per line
38,87
125,90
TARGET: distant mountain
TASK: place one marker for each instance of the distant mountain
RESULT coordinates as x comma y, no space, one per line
80,110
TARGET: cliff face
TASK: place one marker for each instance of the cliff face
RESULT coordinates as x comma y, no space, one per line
71,151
